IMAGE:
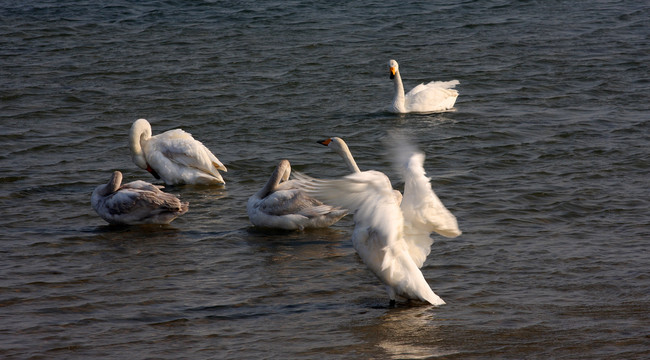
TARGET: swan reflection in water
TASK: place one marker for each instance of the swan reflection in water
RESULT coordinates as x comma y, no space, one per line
410,332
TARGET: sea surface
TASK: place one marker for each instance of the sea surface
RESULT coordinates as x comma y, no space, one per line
545,161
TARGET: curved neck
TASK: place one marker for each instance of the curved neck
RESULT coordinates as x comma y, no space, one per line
281,173
112,186
345,153
398,99
140,132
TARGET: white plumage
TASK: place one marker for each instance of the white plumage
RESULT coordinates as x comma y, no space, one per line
432,97
174,156
393,240
281,204
137,202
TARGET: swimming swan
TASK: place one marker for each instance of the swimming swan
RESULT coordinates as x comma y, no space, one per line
281,205
393,240
174,156
432,97
137,202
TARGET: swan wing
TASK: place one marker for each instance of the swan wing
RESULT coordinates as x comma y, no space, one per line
369,194
176,151
433,96
422,210
377,216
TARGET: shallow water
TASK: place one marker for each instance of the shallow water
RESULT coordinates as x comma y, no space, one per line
544,162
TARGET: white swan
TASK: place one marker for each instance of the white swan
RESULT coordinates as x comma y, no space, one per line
137,202
281,205
432,97
174,156
393,240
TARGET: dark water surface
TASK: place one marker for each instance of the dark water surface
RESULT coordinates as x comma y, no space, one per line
545,162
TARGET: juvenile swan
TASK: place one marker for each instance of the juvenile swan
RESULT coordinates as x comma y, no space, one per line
137,202
282,205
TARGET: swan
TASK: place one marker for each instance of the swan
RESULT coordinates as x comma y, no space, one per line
137,202
392,239
432,97
280,204
174,156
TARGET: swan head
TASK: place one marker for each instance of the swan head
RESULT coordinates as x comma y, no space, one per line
140,130
336,143
284,169
394,68
112,186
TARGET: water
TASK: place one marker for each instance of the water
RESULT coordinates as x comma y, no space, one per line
545,163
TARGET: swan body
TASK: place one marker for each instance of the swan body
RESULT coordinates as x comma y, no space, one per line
174,156
137,202
392,238
435,96
281,204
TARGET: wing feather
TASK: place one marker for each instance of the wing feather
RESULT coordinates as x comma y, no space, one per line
422,209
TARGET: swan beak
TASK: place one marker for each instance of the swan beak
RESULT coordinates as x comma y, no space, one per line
325,142
392,72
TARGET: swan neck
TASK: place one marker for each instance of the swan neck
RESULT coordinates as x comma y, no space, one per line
280,173
140,133
398,99
345,153
112,186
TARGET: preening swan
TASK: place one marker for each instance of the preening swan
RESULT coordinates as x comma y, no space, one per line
393,240
137,202
282,205
174,156
432,97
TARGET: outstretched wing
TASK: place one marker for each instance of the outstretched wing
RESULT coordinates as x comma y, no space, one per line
368,194
422,209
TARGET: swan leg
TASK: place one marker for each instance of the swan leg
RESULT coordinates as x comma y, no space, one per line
391,295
